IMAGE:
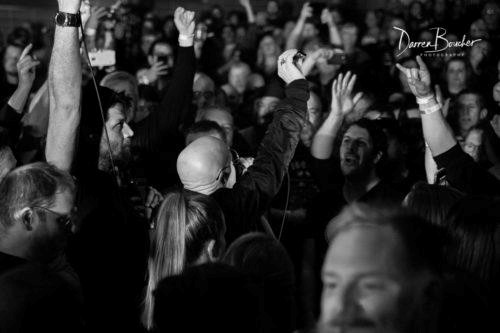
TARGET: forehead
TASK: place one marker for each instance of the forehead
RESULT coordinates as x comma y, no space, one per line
63,202
239,70
474,136
218,116
116,113
203,84
357,132
163,48
456,64
469,99
363,249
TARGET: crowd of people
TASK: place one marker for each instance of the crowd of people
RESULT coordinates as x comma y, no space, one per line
332,171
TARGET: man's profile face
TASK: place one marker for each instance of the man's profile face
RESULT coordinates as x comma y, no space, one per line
365,284
49,235
313,121
224,120
309,31
10,59
356,152
203,92
469,111
473,143
264,107
120,135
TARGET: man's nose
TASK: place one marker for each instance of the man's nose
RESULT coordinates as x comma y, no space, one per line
127,131
345,308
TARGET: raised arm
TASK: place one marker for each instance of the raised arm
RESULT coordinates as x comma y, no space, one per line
461,170
333,31
177,99
343,103
248,10
437,132
11,113
294,38
65,80
276,150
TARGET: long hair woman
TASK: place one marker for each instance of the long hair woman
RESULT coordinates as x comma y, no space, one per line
189,230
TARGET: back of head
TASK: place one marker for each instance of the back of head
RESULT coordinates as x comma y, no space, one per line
432,202
189,228
206,298
204,128
31,185
473,224
203,166
264,259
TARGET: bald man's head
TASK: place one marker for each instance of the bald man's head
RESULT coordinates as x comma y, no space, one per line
205,165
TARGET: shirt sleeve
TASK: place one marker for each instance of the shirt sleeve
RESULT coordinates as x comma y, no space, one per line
465,174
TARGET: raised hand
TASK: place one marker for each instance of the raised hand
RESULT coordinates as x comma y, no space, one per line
342,99
96,15
69,6
184,21
419,79
327,17
287,70
156,70
306,12
26,68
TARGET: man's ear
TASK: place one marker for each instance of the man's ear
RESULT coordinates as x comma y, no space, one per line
483,114
211,251
26,217
377,157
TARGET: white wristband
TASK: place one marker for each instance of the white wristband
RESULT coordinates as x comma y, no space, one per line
424,100
186,40
428,109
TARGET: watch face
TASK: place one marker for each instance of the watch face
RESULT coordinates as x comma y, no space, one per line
60,19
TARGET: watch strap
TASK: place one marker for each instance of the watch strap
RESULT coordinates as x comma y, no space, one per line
63,19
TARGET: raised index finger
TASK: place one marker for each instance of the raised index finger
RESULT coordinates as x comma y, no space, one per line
26,50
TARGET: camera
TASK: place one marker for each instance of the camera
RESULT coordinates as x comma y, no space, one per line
337,59
102,58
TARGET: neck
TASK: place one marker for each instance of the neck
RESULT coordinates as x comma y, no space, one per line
356,187
14,248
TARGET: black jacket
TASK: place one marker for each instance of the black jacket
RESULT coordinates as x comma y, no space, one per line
251,196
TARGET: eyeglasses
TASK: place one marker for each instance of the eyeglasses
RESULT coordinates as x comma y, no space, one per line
63,220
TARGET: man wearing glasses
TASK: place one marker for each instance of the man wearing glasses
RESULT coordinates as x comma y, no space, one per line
36,203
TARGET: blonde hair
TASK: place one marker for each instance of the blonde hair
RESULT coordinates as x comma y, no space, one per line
185,222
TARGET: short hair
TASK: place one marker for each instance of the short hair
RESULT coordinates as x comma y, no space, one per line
160,41
202,113
432,202
480,98
31,185
206,126
110,80
377,135
423,241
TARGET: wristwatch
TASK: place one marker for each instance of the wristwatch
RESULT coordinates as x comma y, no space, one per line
68,20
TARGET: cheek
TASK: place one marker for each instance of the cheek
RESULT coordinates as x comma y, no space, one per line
381,306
